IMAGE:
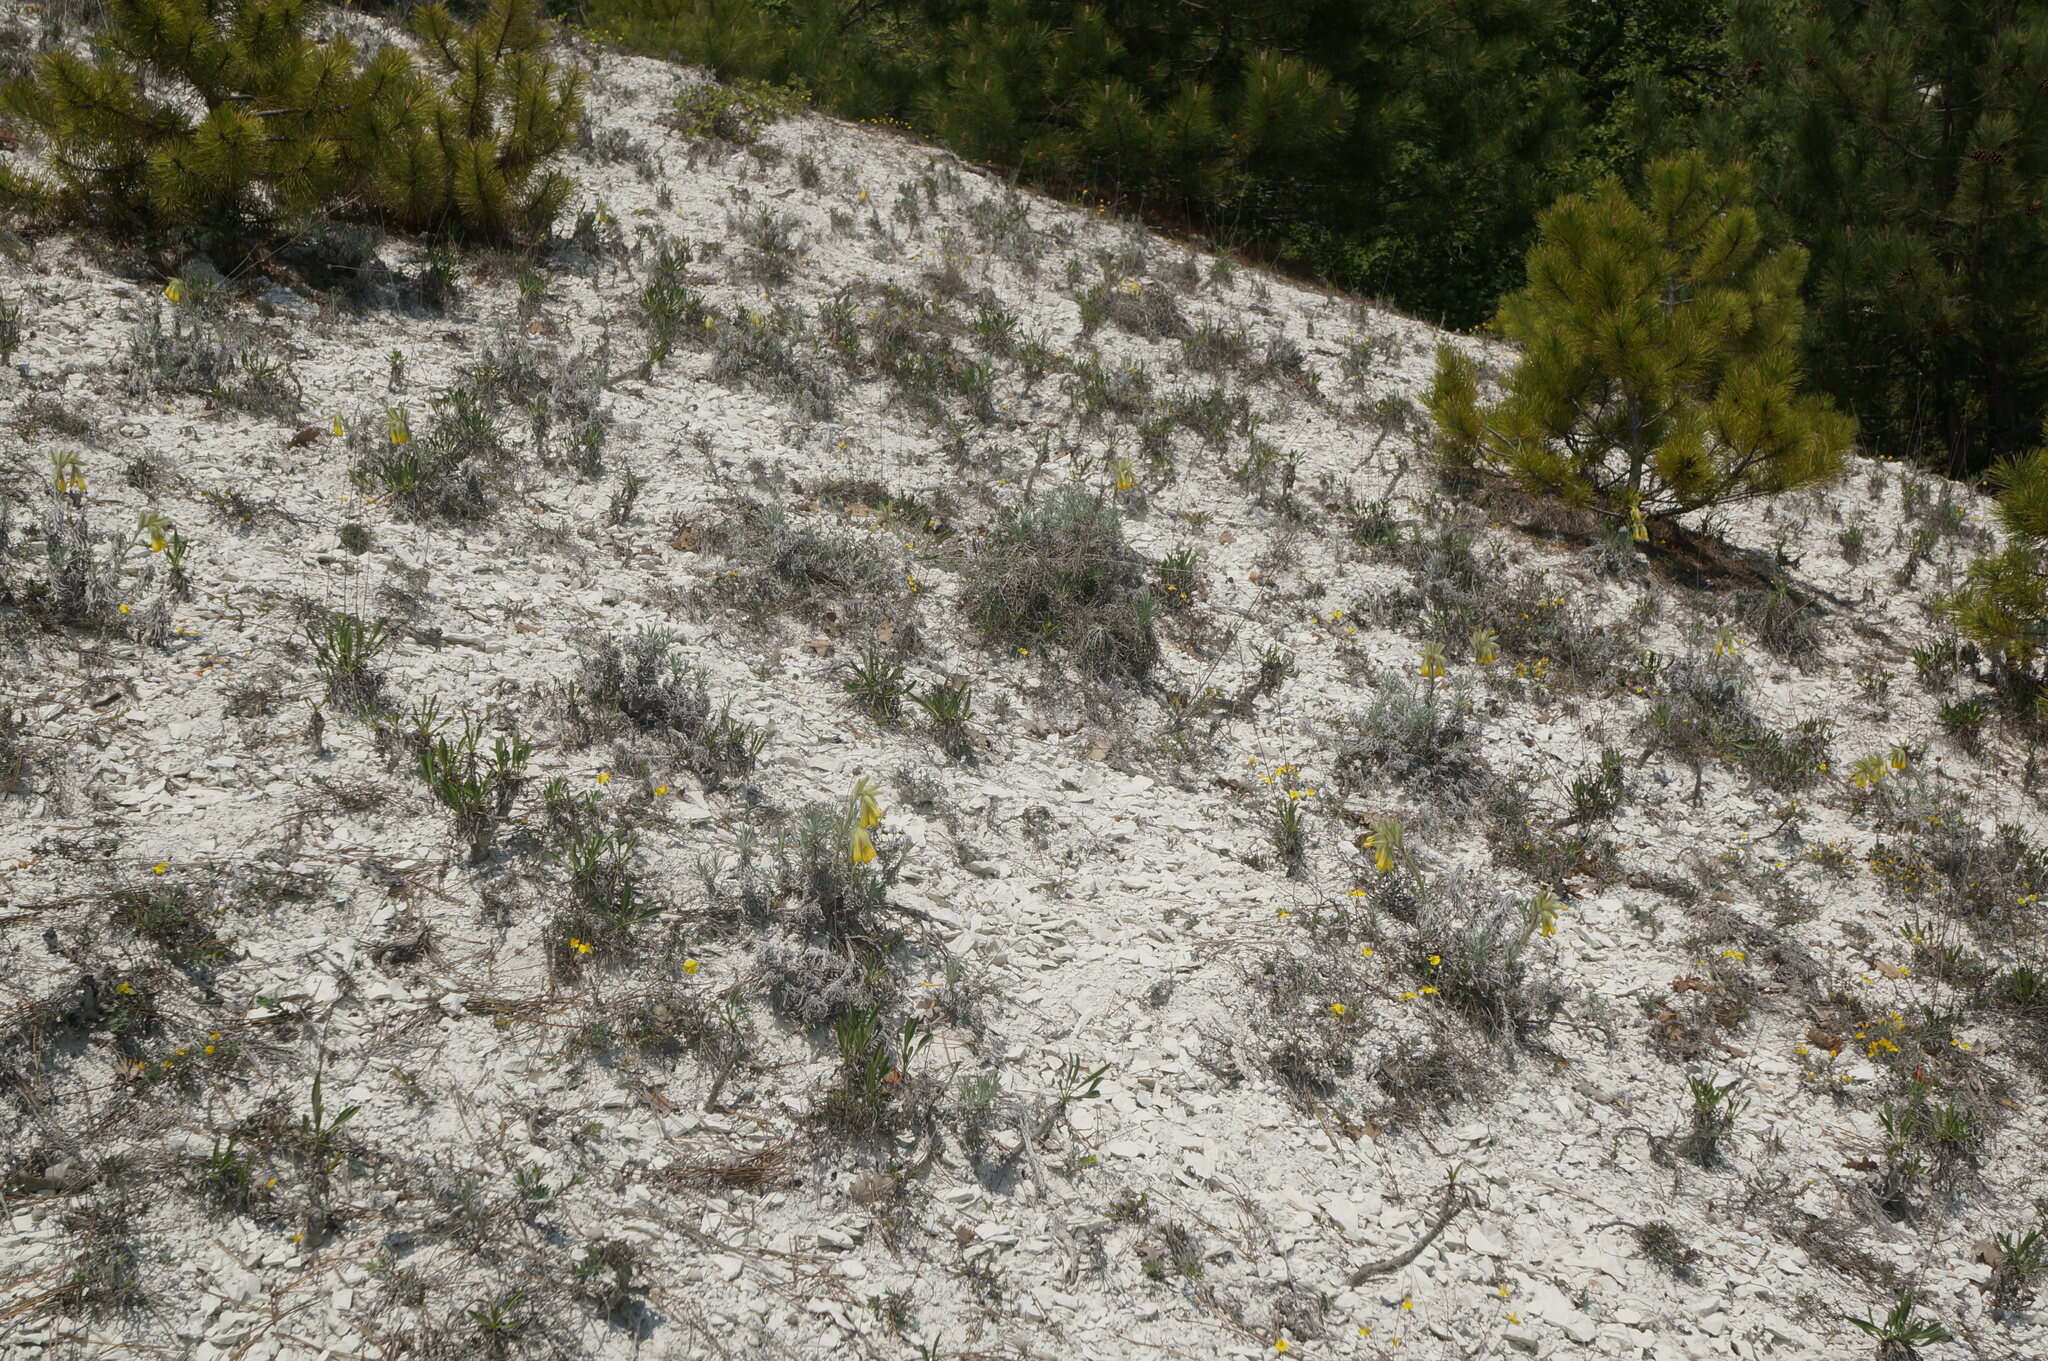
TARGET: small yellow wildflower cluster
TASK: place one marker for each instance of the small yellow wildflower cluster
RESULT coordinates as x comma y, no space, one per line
1279,775
214,1053
1909,875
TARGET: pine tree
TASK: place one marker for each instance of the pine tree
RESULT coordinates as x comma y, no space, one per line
1659,370
2004,606
1905,143
230,115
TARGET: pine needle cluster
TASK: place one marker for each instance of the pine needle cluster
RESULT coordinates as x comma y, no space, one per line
234,114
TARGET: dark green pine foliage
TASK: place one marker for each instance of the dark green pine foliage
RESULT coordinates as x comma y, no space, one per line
1400,147
2004,605
1905,143
1659,371
231,115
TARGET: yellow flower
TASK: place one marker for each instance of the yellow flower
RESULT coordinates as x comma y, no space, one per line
174,290
690,966
660,790
1485,647
208,1049
1733,954
1724,643
1408,1304
862,847
160,867
398,426
866,805
124,609
1386,843
1428,991
1365,950
124,988
1516,1319
1336,1008
581,947
1281,1346
1432,661
337,428
1435,960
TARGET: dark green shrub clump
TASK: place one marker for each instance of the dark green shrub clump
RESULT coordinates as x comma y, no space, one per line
641,676
738,113
232,115
1059,571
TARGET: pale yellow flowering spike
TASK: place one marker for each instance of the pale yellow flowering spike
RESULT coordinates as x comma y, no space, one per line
154,529
1868,772
861,849
1126,475
867,806
175,290
1432,661
398,426
337,427
1724,643
1485,646
66,472
1900,758
1386,843
1639,528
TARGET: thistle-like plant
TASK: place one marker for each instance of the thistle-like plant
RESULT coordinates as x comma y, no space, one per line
477,789
949,705
876,682
1902,1332
345,650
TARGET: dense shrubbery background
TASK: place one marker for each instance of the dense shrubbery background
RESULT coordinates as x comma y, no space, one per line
1404,148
